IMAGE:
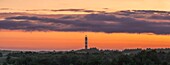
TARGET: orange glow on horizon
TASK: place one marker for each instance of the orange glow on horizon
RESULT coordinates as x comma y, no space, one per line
75,40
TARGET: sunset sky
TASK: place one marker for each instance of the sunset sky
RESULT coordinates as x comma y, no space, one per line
63,24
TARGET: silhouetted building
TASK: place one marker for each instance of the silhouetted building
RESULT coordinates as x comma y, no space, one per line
86,42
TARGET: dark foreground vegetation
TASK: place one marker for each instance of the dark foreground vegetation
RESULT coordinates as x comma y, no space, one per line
89,57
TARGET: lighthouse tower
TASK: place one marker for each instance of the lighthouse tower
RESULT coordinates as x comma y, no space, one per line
86,42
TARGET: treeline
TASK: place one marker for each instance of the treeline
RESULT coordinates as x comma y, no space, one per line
144,57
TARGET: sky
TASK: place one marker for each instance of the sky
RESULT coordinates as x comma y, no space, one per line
63,24
90,4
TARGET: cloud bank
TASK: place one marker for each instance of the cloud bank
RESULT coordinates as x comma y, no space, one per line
117,22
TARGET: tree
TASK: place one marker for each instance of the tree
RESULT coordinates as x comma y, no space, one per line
1,54
8,59
4,63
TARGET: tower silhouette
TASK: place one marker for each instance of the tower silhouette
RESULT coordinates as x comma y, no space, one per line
86,42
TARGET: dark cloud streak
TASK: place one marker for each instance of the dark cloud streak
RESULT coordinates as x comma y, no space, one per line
80,10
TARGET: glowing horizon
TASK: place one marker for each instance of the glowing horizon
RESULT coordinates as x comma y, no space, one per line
75,40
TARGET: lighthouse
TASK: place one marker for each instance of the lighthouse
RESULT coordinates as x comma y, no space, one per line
86,42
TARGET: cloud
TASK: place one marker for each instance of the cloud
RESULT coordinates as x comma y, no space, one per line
23,25
152,14
131,25
108,23
106,8
71,10
164,17
6,9
38,10
58,10
79,10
